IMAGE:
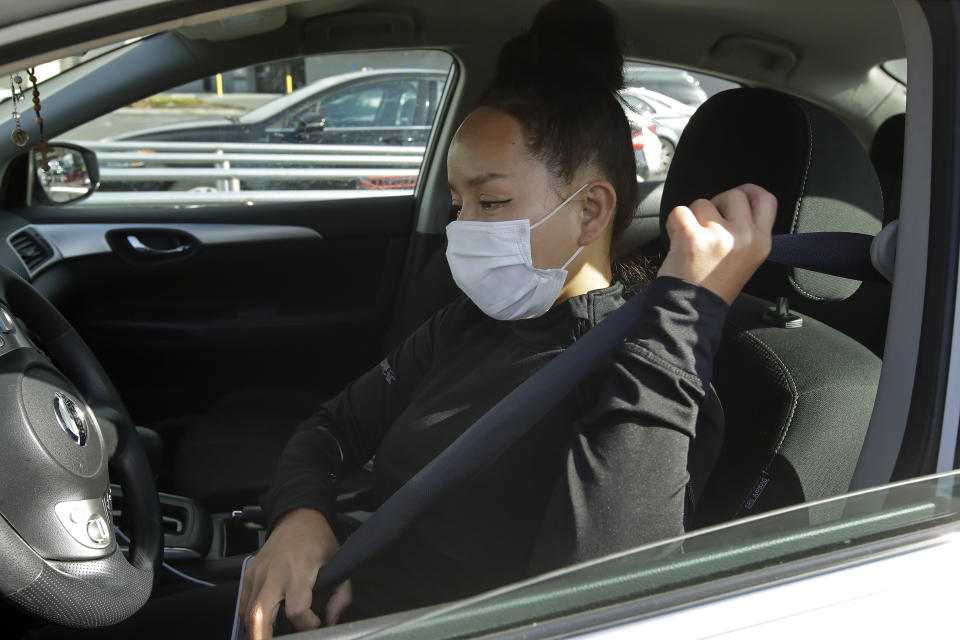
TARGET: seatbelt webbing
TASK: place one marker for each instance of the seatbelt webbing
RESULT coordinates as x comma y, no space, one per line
836,253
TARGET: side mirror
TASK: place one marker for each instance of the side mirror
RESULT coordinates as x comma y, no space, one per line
62,173
310,123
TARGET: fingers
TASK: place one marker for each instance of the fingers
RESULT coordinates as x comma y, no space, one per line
339,600
260,598
705,212
681,220
285,570
763,206
251,606
263,612
297,599
734,207
297,604
700,213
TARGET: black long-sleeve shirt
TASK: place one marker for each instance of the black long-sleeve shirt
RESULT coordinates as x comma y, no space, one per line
605,470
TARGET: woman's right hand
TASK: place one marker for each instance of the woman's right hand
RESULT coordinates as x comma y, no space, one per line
719,243
285,570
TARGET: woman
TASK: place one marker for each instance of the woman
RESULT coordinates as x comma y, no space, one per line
543,182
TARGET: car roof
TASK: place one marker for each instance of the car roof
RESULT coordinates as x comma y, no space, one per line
659,100
790,45
269,109
862,33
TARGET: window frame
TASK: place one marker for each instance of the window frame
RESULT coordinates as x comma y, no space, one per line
435,81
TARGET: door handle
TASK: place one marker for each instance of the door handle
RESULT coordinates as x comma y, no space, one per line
139,247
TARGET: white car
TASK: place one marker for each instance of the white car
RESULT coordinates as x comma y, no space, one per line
669,117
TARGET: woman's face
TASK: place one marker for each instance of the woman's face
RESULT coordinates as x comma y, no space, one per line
493,178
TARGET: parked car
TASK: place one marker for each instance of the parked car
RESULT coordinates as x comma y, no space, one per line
390,107
668,116
676,83
216,328
383,106
647,148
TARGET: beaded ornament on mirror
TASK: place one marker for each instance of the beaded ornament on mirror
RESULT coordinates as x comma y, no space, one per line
19,136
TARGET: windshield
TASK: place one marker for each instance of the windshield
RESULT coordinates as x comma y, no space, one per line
699,558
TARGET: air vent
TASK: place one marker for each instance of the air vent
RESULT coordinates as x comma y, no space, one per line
34,251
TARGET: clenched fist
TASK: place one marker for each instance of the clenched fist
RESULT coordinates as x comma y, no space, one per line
719,243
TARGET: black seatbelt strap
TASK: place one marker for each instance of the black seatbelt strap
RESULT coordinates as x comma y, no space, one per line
836,253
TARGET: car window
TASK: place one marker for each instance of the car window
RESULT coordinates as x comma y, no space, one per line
659,101
354,108
897,68
390,103
319,127
640,105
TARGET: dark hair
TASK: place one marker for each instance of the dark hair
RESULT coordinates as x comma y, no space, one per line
561,80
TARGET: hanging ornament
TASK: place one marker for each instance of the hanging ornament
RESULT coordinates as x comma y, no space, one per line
18,135
42,149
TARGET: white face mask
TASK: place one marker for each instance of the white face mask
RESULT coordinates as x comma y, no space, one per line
491,262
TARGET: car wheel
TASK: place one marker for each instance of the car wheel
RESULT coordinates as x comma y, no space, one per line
193,187
666,154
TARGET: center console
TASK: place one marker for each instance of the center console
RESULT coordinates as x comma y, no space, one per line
212,546
205,545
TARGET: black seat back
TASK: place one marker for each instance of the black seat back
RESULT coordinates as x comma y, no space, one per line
797,400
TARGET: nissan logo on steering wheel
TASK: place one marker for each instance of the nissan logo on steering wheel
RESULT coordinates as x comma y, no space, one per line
70,418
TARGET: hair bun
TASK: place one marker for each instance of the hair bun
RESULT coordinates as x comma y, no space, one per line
570,43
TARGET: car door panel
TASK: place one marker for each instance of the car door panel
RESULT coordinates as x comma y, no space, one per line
272,296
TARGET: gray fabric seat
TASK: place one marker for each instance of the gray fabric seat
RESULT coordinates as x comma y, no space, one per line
797,401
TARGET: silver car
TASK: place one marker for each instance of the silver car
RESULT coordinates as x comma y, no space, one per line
669,116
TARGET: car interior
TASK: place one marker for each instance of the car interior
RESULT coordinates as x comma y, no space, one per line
267,309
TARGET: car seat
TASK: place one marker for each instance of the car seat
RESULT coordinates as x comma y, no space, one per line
226,456
864,314
797,393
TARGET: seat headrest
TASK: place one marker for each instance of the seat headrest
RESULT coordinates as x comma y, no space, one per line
819,172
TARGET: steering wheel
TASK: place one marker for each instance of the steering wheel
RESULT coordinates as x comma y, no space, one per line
59,556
